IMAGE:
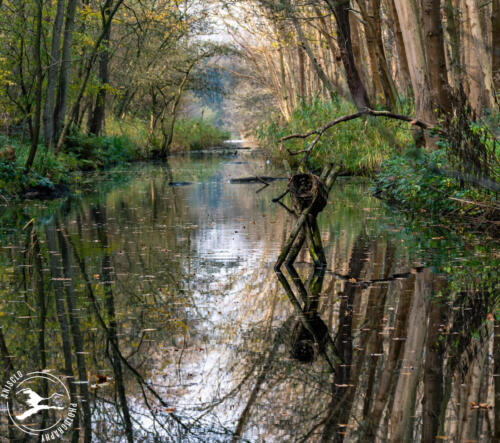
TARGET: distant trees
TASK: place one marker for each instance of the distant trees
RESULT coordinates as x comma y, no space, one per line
374,52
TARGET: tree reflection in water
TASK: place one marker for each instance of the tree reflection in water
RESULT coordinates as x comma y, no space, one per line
170,326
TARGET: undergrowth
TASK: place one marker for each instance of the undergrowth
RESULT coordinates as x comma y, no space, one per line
126,142
360,145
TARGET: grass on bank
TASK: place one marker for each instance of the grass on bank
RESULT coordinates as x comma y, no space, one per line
360,145
385,150
125,142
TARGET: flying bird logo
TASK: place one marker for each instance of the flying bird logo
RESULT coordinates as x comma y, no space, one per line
33,400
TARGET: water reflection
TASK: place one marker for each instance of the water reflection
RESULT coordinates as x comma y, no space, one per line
160,307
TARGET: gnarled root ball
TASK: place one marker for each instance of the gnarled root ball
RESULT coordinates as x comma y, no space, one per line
307,189
303,345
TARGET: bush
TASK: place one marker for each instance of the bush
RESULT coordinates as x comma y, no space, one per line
194,134
414,181
94,152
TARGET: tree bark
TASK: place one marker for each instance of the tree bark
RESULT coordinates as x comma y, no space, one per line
356,87
99,112
401,51
478,64
88,68
434,45
65,71
54,60
495,31
408,16
38,87
325,81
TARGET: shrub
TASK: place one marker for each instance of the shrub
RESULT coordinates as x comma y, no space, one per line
414,181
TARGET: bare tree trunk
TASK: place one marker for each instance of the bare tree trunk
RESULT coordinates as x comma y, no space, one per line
358,91
401,51
325,81
413,42
454,37
38,88
65,71
54,60
302,76
478,64
434,45
367,12
99,113
495,45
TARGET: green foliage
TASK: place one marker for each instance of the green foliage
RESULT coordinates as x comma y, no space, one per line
98,152
359,145
190,134
413,181
194,134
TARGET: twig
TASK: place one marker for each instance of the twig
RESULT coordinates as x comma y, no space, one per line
277,199
470,202
261,189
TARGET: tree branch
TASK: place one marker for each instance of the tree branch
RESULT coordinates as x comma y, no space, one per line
320,131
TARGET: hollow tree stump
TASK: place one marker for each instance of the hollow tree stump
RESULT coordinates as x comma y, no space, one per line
306,190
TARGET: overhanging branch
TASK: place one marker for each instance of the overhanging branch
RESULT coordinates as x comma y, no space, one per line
320,131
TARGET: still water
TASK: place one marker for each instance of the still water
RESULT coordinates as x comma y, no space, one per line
158,306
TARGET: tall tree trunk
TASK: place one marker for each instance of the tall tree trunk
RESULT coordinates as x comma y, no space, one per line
478,64
98,115
368,12
54,60
357,89
88,68
325,81
452,30
434,45
38,87
413,41
302,76
65,71
403,61
495,45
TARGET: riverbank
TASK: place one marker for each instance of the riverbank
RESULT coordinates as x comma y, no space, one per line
55,175
384,150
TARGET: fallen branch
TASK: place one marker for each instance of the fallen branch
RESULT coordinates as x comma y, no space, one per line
320,131
470,202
